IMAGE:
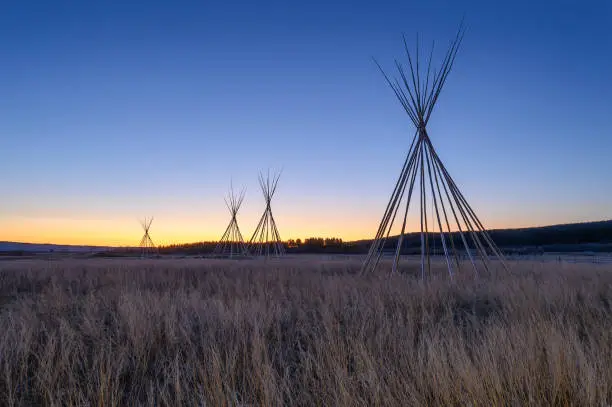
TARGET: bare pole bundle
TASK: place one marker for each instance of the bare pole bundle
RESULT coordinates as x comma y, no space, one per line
232,243
266,240
452,219
146,245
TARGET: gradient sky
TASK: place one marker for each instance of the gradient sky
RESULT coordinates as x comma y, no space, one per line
115,110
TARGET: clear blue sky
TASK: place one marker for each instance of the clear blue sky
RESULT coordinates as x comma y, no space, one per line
115,110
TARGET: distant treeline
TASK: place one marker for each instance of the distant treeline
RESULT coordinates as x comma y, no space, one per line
309,245
592,236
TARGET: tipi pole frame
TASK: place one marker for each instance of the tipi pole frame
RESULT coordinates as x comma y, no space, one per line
265,240
418,96
146,243
232,243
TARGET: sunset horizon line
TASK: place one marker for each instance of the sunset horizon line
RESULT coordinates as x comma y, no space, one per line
59,242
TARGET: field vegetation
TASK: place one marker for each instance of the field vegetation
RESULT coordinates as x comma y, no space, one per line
301,331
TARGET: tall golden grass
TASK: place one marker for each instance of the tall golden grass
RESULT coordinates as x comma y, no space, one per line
300,332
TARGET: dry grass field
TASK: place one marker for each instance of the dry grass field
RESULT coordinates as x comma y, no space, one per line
300,332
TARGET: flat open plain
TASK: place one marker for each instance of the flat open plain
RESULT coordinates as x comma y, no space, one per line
301,331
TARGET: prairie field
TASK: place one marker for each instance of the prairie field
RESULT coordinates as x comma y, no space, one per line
301,331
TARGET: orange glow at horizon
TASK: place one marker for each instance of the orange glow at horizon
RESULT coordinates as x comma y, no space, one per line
127,232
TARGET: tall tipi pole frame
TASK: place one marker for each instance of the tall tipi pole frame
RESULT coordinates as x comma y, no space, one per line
146,245
266,240
232,243
418,91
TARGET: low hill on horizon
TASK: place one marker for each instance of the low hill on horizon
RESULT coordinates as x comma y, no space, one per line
49,248
584,236
596,236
